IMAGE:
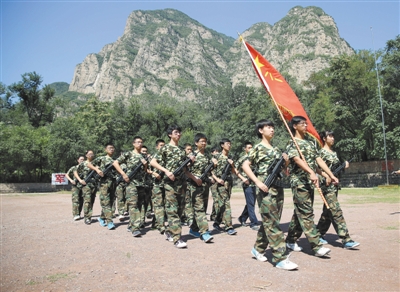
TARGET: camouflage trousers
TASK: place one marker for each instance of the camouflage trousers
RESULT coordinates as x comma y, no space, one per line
77,201
107,193
335,216
173,196
158,198
223,213
199,218
89,196
270,207
120,194
206,196
146,202
214,193
303,217
134,201
187,206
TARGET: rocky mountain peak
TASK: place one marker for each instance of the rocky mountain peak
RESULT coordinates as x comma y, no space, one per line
167,52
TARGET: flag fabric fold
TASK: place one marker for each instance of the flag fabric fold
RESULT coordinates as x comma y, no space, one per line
279,90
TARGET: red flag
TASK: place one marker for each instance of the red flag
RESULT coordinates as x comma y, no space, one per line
279,90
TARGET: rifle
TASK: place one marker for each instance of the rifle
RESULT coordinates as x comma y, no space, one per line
337,168
209,167
132,174
186,162
227,170
96,176
274,171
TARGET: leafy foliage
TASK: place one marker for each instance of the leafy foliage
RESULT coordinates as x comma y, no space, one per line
37,141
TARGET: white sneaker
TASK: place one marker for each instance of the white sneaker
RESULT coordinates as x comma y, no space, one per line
323,251
169,236
286,265
294,246
180,244
121,218
77,217
260,257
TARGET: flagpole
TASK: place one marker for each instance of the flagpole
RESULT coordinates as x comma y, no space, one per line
282,117
383,118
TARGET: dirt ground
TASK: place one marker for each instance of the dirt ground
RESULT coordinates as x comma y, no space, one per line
43,249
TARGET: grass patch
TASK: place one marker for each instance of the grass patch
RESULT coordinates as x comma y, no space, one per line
369,195
128,255
54,278
391,227
32,282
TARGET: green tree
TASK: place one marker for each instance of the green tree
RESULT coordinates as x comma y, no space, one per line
35,100
391,95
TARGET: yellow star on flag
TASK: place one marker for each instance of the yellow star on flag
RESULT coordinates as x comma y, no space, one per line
259,64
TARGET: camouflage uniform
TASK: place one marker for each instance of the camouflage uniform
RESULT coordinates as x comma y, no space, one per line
334,215
106,187
303,195
134,189
213,187
171,157
197,195
158,198
250,195
89,190
214,192
120,194
185,210
223,206
270,204
148,185
77,199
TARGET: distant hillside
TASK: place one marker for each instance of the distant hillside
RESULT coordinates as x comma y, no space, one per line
167,52
59,87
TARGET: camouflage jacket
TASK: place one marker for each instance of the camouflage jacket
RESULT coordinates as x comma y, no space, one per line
199,165
219,169
239,164
133,159
297,175
83,170
101,162
70,172
330,158
171,157
261,157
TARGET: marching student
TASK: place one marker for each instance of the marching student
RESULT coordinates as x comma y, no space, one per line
168,159
106,185
302,181
197,191
77,199
261,157
330,190
89,189
249,190
225,167
135,185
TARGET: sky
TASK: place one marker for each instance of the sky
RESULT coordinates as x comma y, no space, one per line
51,37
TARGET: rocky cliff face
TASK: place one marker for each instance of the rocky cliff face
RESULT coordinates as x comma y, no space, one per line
300,43
166,52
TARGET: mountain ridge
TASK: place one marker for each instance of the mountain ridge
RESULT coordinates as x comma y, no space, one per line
167,52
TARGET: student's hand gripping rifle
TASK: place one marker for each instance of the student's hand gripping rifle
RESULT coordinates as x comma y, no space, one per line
336,169
135,170
89,176
96,176
227,170
204,176
274,171
178,171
